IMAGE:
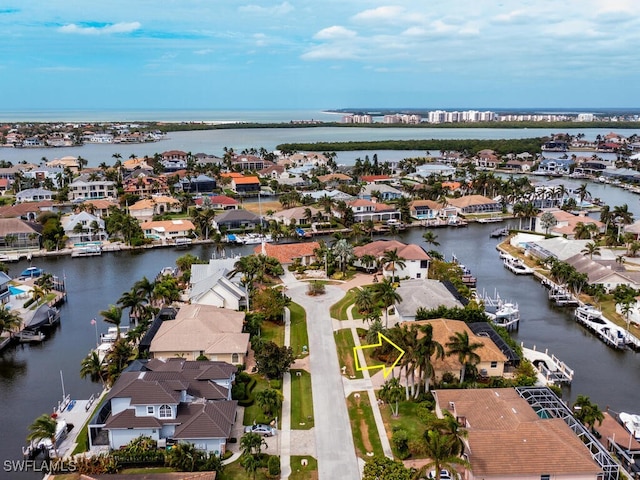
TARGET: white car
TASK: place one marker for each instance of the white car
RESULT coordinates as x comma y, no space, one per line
444,475
265,430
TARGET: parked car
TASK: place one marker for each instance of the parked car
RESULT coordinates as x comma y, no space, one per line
265,430
444,475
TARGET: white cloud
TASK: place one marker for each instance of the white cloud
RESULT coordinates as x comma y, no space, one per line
334,32
385,13
280,9
123,27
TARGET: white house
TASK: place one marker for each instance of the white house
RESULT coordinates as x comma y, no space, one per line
83,227
34,195
415,259
82,189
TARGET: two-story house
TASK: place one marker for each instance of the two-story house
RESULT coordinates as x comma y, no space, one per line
83,189
169,400
416,260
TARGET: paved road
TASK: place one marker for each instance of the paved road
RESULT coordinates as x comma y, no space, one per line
334,442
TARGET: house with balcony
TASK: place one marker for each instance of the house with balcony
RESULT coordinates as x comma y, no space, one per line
249,162
364,210
145,184
239,219
34,195
173,400
474,204
83,227
200,184
144,210
84,189
245,185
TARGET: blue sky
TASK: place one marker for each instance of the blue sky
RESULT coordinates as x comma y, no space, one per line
228,54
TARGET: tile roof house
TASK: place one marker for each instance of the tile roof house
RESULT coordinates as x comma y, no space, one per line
27,211
218,202
431,210
415,258
167,231
243,185
290,252
364,210
507,439
84,188
83,227
299,215
565,223
144,210
474,204
200,184
16,233
492,360
381,191
334,179
202,330
179,400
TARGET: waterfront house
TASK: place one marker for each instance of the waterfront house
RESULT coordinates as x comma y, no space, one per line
609,273
274,172
564,223
431,210
69,162
486,159
415,258
137,164
175,400
492,360
218,202
299,215
375,178
364,210
380,191
199,184
332,180
335,195
287,254
508,439
101,207
83,227
202,330
18,234
238,219
144,210
474,204
245,185
249,162
555,166
144,184
174,160
35,195
428,170
82,188
427,294
166,231
211,284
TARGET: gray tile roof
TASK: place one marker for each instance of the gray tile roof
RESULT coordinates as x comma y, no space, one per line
209,420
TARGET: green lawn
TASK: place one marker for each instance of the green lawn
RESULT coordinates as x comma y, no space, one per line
407,420
363,425
253,413
344,345
299,472
339,310
299,336
301,400
272,332
234,471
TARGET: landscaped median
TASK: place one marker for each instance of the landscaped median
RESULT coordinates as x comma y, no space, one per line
363,426
339,309
301,400
345,346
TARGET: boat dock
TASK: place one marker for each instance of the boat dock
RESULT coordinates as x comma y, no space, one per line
499,232
607,331
515,265
551,370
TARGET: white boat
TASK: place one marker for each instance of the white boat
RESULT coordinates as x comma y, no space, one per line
516,265
112,334
44,444
607,331
253,238
507,315
86,251
183,242
631,422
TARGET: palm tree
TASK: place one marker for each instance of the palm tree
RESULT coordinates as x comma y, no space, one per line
587,412
391,393
440,448
365,300
427,349
591,249
250,464
582,193
252,443
134,301
44,427
93,368
430,238
368,260
459,344
113,315
269,400
10,320
392,257
622,216
185,457
343,251
385,293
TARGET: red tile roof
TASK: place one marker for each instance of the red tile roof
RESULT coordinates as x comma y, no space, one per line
287,253
245,180
373,178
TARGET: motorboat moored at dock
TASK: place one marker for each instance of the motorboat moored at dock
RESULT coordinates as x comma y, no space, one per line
516,265
592,318
631,422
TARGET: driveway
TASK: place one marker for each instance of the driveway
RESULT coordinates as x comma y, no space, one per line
334,442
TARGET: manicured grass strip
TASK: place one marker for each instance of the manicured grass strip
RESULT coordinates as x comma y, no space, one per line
144,471
408,421
339,310
363,425
234,471
299,336
253,413
301,400
272,332
300,472
82,440
344,345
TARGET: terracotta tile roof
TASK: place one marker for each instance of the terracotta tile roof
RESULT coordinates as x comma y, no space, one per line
361,203
334,176
287,253
469,200
377,249
500,417
383,207
169,226
245,180
209,420
231,175
101,204
223,200
21,209
12,226
426,203
373,178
